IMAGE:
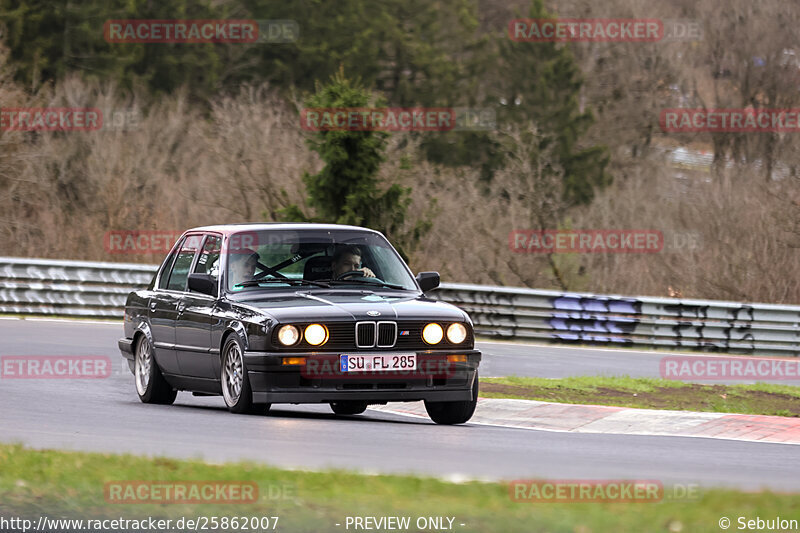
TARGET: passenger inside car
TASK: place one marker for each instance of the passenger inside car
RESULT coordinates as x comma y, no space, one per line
243,266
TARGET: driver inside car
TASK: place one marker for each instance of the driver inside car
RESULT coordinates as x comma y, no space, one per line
348,259
243,266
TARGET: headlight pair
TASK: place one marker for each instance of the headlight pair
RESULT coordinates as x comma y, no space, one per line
433,333
315,335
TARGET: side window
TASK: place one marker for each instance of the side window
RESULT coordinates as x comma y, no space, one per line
162,281
208,262
180,270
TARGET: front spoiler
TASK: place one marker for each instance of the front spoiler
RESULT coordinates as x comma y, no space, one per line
273,383
382,396
126,348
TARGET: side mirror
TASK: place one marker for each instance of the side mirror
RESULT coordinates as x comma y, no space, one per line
203,283
428,280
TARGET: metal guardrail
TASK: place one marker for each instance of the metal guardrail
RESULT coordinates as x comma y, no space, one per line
86,289
69,288
729,327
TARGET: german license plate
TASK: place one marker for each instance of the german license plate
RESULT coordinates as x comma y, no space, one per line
377,362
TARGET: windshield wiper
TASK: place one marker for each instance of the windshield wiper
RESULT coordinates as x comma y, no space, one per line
288,281
364,281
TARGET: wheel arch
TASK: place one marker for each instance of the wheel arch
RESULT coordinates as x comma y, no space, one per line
234,328
142,330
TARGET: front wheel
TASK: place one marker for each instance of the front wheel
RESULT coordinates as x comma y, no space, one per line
150,384
454,412
348,407
234,381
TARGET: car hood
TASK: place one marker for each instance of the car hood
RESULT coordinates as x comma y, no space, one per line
350,305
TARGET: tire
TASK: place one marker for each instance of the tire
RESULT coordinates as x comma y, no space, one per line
234,381
150,384
351,407
454,412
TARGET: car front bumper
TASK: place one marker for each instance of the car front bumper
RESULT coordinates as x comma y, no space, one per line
320,381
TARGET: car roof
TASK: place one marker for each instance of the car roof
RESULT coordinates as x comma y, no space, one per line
228,229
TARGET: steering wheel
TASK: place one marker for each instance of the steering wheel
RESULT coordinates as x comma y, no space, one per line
350,274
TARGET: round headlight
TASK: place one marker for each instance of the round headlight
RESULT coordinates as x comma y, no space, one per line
288,335
456,333
316,334
432,333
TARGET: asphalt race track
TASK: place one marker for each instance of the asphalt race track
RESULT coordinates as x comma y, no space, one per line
106,415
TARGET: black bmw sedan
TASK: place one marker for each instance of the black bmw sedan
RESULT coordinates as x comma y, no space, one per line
298,313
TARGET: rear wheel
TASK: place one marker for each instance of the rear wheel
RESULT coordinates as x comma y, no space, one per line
150,384
454,412
348,407
234,380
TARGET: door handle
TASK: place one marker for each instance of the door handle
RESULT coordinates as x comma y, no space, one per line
152,306
181,307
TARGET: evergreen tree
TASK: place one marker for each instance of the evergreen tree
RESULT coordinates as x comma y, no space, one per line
412,51
346,190
541,81
49,39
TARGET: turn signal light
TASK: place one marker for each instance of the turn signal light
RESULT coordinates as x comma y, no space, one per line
456,358
293,360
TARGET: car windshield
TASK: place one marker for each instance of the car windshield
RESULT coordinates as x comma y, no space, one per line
269,259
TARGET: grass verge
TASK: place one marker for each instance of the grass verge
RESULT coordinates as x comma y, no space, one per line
69,484
650,393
